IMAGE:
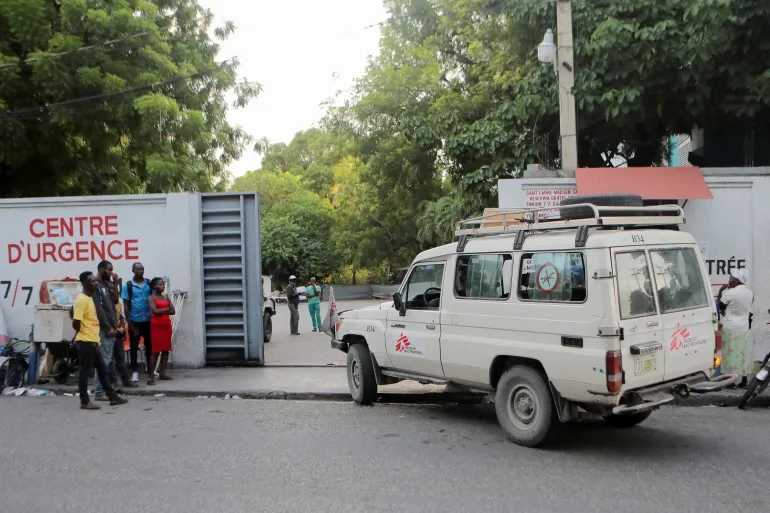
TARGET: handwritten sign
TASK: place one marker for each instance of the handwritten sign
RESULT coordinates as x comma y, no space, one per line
547,197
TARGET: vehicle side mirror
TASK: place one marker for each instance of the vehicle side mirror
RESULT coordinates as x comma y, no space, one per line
398,302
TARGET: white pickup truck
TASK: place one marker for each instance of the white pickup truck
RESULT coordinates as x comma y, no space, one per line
606,310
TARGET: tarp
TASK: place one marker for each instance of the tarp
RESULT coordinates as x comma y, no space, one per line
651,183
330,321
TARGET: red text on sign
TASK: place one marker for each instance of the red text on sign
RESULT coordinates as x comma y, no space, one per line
109,247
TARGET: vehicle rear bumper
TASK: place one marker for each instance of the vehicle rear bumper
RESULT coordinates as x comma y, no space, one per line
651,398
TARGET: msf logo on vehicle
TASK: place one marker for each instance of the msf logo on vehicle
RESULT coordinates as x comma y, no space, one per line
683,339
404,345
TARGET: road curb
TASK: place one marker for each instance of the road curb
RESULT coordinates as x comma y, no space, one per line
729,399
389,398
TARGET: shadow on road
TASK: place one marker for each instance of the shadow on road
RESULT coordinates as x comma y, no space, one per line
646,442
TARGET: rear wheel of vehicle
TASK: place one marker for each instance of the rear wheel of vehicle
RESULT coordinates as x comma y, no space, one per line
60,371
603,200
524,406
361,379
755,388
267,324
626,421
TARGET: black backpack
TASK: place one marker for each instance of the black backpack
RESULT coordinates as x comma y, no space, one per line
130,286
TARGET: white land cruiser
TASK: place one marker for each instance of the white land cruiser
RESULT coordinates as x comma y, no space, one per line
607,309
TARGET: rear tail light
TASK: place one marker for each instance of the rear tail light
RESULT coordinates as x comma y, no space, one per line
717,349
614,370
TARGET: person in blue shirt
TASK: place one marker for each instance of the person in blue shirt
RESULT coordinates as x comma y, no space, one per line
135,295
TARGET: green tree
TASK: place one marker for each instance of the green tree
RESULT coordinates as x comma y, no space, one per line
438,220
296,224
457,86
273,186
156,120
295,237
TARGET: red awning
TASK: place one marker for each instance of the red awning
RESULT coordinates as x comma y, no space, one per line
651,183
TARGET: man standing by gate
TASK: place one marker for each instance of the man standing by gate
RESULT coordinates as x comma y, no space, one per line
292,295
314,294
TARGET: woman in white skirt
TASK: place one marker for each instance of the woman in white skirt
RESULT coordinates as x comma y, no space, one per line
735,301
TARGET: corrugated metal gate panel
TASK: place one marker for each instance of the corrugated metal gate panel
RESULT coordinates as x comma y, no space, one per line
231,267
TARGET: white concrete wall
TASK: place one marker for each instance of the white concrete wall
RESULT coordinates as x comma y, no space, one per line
161,231
733,228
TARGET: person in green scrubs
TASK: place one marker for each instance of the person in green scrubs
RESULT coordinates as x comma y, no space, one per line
314,294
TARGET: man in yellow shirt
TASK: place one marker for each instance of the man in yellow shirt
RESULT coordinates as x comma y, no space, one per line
86,324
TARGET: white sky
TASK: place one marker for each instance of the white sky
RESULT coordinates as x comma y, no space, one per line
294,48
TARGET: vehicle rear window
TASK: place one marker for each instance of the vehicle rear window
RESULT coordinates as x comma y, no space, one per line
553,277
483,276
679,279
634,286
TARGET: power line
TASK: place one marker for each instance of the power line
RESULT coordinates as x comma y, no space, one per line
26,112
76,50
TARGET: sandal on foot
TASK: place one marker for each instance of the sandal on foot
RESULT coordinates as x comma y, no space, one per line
163,377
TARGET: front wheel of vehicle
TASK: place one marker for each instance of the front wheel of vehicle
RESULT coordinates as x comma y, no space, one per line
361,379
524,406
626,421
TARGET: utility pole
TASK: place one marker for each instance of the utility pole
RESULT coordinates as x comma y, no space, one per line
565,64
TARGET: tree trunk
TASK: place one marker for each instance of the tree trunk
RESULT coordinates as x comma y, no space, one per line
354,276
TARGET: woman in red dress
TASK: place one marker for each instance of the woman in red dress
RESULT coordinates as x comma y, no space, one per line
160,328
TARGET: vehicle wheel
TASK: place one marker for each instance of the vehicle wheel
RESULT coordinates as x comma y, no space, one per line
361,380
60,371
267,326
524,406
626,421
601,200
755,388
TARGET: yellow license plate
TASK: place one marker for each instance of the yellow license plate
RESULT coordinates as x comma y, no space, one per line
645,365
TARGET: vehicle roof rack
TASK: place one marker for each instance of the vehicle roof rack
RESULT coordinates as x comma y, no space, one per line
521,221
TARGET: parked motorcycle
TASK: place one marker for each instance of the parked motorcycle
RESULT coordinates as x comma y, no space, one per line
758,384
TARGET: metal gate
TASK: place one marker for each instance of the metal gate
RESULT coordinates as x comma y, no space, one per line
231,270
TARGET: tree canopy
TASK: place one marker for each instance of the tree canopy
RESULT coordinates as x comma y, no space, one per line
119,96
127,96
456,99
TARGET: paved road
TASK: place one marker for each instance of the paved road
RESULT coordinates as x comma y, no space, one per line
308,348
180,455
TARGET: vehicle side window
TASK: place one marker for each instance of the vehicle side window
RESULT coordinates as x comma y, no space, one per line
423,289
634,287
483,276
553,277
679,279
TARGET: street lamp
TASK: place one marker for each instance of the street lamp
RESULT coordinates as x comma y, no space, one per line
546,51
563,65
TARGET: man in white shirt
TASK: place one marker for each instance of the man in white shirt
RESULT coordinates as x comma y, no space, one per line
735,301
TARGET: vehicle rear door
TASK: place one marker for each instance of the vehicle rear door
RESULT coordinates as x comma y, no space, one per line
687,310
642,344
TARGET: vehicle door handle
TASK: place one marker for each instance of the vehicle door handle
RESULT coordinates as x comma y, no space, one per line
431,326
398,326
652,324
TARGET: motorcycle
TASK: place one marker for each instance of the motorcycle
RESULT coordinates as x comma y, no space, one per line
758,384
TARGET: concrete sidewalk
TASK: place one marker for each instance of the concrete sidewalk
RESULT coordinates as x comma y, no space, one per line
280,383
331,384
